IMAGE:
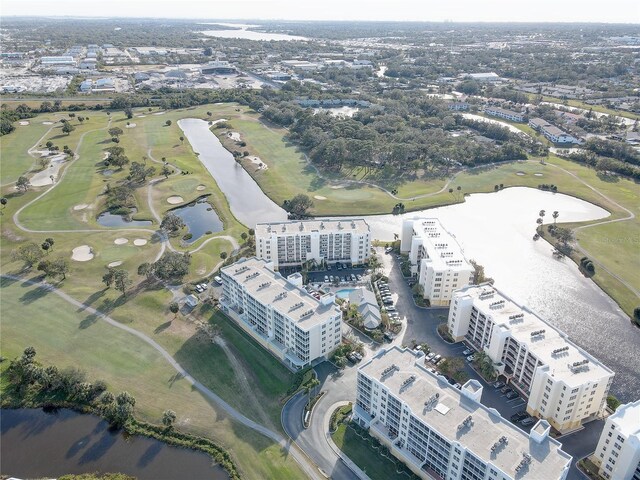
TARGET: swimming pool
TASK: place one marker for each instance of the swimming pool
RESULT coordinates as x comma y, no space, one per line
344,293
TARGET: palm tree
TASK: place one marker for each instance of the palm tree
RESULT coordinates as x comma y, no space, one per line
555,216
309,386
541,214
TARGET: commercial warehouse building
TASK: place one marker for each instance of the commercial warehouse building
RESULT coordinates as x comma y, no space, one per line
293,243
618,451
283,317
564,384
437,259
441,432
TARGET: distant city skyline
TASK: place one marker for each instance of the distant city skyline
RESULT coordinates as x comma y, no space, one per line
591,11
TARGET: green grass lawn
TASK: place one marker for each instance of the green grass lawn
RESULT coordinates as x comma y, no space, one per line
364,455
64,336
15,160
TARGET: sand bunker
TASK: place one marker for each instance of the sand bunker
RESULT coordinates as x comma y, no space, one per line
175,200
520,174
83,253
50,174
47,123
23,122
538,174
140,116
121,241
117,263
319,197
159,113
138,242
219,121
335,187
235,136
80,206
201,187
259,163
132,125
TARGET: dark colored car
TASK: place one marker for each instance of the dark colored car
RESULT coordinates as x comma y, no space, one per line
506,389
511,395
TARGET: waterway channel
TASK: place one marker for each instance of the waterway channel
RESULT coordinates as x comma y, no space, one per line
36,444
496,230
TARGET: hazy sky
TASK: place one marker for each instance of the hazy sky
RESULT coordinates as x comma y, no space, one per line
620,11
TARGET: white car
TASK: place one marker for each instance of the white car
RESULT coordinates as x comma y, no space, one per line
218,280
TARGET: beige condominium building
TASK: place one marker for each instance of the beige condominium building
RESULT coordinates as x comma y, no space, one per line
293,243
437,259
563,383
444,433
618,451
286,320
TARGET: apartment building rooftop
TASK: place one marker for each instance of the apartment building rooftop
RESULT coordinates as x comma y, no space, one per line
356,225
453,414
444,251
287,298
566,361
627,419
503,111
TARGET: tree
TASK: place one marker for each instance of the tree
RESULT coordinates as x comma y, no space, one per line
168,123
109,277
23,184
128,112
115,132
243,235
174,308
44,162
68,128
223,255
171,223
168,418
299,204
45,246
146,270
182,140
541,214
452,365
121,280
555,216
166,171
374,263
172,266
51,242
139,173
29,253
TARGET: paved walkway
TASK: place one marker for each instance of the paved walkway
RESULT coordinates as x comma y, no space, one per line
228,409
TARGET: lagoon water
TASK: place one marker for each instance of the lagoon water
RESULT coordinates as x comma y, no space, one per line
35,444
199,217
496,230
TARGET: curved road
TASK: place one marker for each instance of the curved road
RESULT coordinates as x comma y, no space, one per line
228,409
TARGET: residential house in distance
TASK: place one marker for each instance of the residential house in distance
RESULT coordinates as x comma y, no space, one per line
437,259
504,113
279,314
564,384
293,243
458,106
441,432
618,451
368,307
551,132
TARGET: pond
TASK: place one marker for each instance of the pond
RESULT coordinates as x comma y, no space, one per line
108,219
200,217
37,444
248,203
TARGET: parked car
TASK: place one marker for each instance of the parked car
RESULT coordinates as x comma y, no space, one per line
516,417
198,289
468,351
391,308
438,362
471,358
458,386
338,266
326,278
388,250
498,385
432,370
218,280
505,389
511,395
204,286
359,278
436,359
389,336
331,278
430,356
527,421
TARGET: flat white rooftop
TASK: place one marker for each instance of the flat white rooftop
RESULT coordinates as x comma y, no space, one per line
567,361
627,419
346,225
271,288
452,408
444,250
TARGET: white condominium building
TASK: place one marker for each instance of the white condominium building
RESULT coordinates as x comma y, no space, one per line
436,257
276,311
444,433
294,243
618,452
564,384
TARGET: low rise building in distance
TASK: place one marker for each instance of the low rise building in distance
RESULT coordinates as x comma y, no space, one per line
283,317
441,432
551,132
437,259
563,383
294,243
504,113
618,451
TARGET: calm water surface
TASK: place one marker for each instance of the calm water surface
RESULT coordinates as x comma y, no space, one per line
252,35
108,219
248,203
200,218
36,444
496,230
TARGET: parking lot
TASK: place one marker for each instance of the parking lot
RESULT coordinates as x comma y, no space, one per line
341,271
